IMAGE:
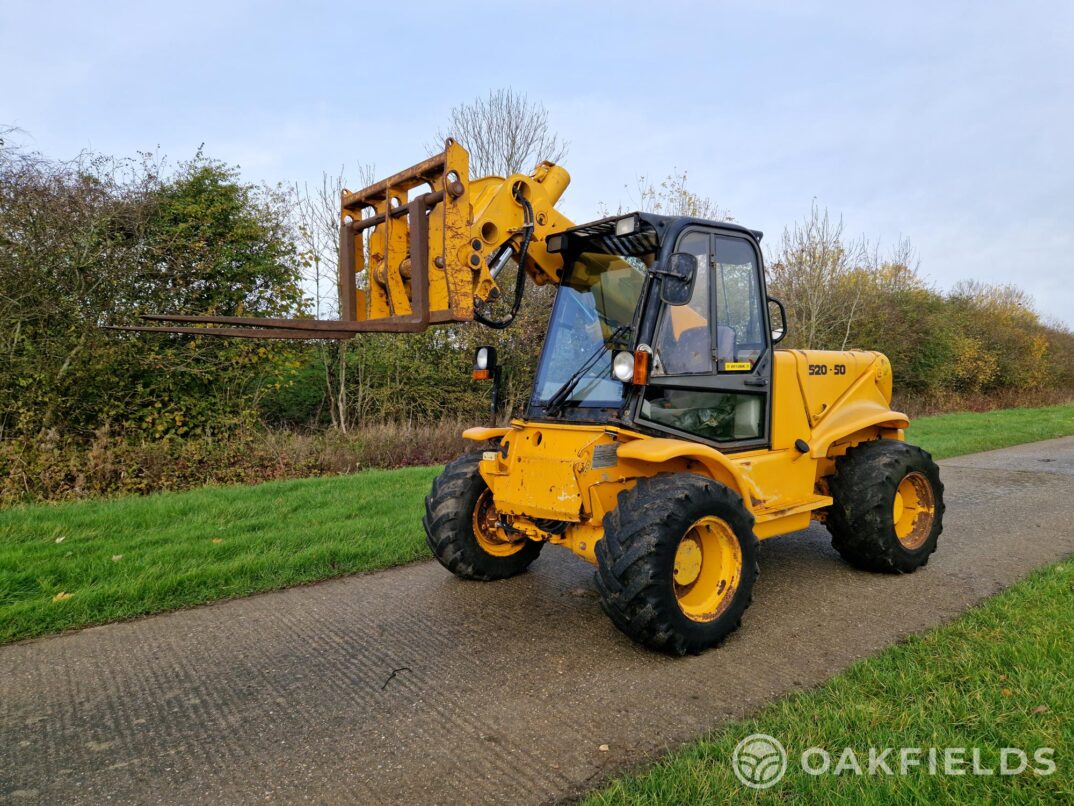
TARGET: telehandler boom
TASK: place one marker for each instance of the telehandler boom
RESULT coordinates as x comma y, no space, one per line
422,248
666,434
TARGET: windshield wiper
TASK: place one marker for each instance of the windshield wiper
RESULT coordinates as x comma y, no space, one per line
560,396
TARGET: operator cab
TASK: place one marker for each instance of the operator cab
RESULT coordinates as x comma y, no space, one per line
680,305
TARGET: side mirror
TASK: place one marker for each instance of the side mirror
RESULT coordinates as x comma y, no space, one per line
780,330
677,278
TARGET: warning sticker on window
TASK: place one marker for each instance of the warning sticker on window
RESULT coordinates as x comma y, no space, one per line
737,366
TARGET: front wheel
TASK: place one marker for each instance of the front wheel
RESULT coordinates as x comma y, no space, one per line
462,526
888,510
677,563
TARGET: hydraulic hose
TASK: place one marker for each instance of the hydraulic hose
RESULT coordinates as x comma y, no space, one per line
520,278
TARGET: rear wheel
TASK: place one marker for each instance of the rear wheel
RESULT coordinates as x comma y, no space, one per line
888,510
677,563
462,526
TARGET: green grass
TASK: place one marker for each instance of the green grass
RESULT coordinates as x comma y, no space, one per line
945,435
133,556
999,676
180,549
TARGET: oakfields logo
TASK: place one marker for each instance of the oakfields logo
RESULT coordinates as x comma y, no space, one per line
760,761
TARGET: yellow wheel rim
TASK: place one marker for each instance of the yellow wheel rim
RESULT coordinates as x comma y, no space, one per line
490,537
708,568
913,510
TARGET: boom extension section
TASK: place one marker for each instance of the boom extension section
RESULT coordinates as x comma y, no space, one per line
420,248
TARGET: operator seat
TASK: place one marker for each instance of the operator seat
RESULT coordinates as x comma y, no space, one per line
690,353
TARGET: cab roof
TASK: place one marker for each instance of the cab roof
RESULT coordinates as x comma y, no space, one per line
658,225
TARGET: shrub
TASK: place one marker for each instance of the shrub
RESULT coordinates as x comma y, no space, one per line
50,468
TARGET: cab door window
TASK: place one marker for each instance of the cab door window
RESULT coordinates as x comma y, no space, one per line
739,322
683,343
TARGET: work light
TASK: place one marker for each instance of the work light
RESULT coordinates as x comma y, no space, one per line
625,226
484,363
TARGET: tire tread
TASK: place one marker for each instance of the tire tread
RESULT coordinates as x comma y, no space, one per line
859,520
647,523
449,529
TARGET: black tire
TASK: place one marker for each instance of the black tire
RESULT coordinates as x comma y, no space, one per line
449,526
636,561
861,520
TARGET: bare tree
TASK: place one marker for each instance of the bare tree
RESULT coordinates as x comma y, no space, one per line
6,132
670,196
899,270
1004,297
818,276
673,197
317,218
505,133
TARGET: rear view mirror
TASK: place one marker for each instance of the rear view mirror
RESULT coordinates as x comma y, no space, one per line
677,278
778,330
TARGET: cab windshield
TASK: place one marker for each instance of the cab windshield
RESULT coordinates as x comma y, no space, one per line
597,297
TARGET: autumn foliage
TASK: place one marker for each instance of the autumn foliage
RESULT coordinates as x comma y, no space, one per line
96,241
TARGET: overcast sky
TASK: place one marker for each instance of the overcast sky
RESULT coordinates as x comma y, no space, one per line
947,123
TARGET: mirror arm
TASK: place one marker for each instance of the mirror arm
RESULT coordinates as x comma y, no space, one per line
663,273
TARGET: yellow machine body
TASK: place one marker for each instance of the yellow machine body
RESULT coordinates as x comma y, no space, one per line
555,481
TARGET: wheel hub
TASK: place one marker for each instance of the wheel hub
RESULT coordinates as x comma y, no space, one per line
707,569
913,510
687,561
490,535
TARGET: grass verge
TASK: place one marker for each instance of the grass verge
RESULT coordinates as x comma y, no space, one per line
945,435
133,556
71,565
998,676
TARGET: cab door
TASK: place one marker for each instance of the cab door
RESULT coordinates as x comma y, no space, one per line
712,358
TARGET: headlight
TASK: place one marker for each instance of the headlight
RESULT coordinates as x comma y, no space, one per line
623,366
481,360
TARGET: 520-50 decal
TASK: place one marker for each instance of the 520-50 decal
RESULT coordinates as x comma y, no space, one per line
822,369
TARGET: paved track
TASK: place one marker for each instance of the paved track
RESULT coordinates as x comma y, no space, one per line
500,693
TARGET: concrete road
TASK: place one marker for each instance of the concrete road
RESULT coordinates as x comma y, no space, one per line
409,686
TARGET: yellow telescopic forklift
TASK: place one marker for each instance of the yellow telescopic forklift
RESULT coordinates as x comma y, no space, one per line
665,435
